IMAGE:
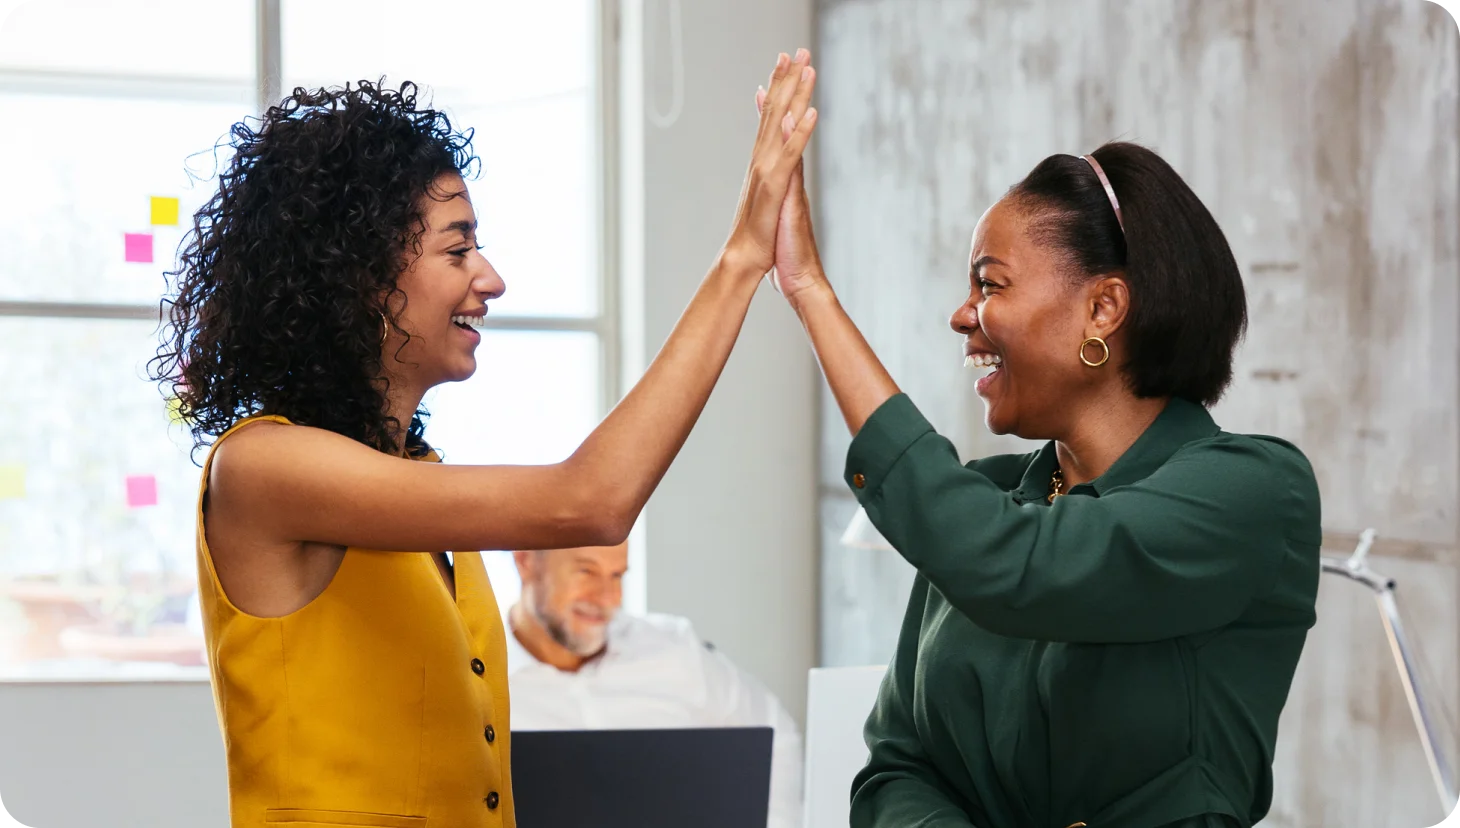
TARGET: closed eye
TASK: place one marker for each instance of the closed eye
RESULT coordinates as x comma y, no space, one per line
461,252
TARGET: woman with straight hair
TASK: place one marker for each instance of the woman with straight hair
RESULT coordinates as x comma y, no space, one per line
1103,632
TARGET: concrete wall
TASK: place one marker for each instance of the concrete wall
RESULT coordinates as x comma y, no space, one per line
1323,137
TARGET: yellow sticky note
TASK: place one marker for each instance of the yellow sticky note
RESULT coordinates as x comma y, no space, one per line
164,210
174,410
12,482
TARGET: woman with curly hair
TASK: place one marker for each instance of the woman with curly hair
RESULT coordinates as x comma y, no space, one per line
359,673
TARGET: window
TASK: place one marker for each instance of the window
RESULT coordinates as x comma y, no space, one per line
115,104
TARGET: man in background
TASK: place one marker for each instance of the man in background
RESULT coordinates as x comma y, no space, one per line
574,662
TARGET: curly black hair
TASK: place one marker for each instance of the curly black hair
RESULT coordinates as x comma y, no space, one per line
289,271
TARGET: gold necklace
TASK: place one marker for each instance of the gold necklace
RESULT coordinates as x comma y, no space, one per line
1056,482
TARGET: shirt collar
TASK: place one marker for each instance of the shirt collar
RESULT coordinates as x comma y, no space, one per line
1035,484
1180,422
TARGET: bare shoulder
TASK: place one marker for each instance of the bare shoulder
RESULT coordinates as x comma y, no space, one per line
258,443
262,568
252,466
261,455
233,458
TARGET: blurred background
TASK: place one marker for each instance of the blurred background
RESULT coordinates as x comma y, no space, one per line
613,136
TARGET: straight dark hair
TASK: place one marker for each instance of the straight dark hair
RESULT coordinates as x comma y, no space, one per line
1188,307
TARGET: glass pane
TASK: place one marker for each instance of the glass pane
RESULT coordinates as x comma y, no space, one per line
536,203
533,400
534,119
161,38
97,570
481,51
79,194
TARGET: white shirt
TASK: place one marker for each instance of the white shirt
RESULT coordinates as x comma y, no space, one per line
656,673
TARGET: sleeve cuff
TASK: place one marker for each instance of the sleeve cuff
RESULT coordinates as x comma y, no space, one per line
884,438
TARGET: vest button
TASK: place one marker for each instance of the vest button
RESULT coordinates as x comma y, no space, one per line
477,666
859,480
492,800
491,734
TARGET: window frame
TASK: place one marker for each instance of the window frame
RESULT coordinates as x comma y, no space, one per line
266,90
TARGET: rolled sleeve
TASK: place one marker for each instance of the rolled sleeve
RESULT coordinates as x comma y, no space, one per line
1185,549
884,439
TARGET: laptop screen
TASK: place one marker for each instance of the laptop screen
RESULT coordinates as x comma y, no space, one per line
707,778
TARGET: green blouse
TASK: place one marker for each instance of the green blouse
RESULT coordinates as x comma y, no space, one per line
1118,658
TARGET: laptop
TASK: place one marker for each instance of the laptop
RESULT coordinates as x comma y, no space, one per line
704,778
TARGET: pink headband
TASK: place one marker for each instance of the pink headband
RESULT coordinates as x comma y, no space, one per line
1109,190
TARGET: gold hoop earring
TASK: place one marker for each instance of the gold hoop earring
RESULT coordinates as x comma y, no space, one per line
1104,349
384,329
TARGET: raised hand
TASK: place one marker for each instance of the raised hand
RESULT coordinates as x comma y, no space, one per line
786,123
797,260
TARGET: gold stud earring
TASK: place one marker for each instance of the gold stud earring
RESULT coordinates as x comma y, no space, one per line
1104,351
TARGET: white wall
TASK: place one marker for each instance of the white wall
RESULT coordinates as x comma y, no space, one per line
731,533
730,536
111,755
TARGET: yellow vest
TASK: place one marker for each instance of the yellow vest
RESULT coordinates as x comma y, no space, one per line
380,703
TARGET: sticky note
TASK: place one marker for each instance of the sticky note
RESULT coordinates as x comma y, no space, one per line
141,490
164,210
139,247
12,482
174,410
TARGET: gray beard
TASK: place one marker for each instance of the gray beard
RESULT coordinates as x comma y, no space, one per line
558,631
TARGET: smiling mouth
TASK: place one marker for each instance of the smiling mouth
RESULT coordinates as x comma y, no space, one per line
469,322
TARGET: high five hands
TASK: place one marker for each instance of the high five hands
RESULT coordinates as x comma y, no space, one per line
783,240
797,270
786,123
772,230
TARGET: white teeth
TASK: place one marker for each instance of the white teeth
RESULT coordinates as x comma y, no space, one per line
982,360
472,321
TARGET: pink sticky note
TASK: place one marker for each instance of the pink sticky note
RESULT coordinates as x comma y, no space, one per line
139,247
141,490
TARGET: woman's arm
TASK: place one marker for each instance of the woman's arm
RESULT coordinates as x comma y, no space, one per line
1224,521
297,483
857,378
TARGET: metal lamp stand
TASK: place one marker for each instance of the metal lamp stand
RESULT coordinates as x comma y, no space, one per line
1356,568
